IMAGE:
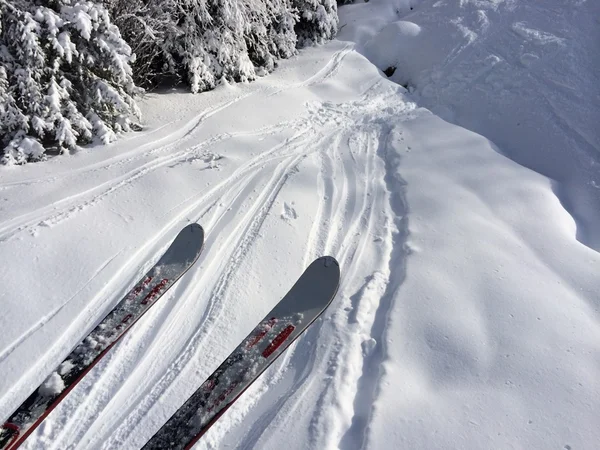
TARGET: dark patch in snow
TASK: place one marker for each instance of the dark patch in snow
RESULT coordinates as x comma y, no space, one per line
389,71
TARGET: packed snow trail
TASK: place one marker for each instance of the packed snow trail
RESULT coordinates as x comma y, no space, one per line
466,306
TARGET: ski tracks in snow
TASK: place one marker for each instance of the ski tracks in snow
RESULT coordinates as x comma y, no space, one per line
365,214
144,159
359,218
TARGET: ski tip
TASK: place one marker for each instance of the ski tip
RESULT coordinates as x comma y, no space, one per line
193,227
329,261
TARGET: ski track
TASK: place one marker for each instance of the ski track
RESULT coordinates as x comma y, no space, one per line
354,219
247,231
328,71
69,206
324,426
173,139
44,320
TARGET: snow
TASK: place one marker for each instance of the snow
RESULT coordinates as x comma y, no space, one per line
463,210
53,384
522,74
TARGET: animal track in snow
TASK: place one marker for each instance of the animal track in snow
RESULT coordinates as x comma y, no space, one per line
289,213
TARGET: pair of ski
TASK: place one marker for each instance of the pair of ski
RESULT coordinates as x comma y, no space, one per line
300,307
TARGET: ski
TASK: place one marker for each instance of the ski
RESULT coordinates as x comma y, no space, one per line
179,257
301,306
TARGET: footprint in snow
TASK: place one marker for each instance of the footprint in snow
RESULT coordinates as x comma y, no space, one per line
288,213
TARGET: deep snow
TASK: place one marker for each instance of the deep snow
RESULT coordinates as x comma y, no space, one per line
468,314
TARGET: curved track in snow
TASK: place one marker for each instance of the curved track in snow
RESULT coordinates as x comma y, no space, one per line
337,147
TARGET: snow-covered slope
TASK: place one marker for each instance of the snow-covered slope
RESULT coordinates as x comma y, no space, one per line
522,73
468,314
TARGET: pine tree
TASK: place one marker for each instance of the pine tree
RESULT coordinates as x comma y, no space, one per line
270,35
201,42
150,28
318,21
66,72
65,78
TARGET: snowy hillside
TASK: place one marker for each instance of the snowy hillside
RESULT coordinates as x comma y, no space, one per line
464,212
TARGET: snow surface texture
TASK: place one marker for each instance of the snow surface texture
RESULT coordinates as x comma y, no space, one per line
522,73
468,313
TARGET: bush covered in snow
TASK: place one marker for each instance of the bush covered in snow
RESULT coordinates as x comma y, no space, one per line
64,77
69,68
318,21
203,41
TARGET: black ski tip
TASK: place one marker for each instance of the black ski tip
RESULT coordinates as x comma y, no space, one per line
331,265
194,231
328,261
194,227
186,247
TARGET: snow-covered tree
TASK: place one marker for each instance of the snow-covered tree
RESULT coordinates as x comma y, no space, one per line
204,41
214,47
150,28
318,21
66,71
270,35
65,77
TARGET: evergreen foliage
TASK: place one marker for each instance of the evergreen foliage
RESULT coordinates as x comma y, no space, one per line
65,78
200,42
69,69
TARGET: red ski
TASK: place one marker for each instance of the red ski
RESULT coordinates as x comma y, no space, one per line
301,306
178,258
